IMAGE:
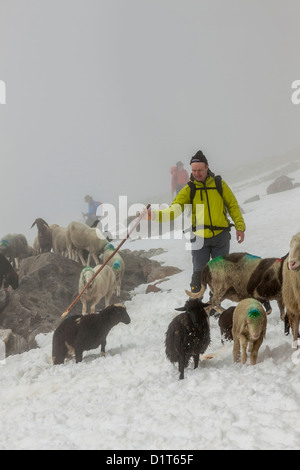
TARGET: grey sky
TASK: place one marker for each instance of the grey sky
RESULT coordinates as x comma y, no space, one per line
104,96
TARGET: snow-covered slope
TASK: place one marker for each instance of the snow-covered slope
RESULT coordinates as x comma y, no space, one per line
132,399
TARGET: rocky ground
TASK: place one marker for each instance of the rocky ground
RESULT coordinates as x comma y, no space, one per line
49,284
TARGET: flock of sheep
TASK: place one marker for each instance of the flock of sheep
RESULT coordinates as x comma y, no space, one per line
78,242
252,282
240,277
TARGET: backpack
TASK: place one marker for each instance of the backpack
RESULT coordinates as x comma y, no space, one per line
218,182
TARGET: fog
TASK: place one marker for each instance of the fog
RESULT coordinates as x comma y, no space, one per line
104,96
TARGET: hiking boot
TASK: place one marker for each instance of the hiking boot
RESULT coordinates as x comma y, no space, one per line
196,282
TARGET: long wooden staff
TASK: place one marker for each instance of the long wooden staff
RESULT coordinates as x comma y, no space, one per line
108,259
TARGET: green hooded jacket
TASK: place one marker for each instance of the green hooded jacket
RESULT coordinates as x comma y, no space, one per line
209,210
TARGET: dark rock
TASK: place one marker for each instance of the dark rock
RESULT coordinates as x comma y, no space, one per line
282,183
49,285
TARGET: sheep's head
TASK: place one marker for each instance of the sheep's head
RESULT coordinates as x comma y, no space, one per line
294,254
255,323
195,307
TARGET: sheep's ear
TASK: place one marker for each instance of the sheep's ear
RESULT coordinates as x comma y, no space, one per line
33,223
180,309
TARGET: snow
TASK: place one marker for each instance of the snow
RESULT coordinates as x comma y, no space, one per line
132,399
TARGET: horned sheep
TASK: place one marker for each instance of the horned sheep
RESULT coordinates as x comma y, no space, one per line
238,276
80,237
249,326
43,242
102,286
77,333
117,264
291,286
188,335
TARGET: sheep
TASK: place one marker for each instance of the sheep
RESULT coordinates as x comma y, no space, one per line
188,335
291,286
249,326
43,243
102,286
225,324
8,274
238,276
59,240
15,248
117,264
81,237
77,333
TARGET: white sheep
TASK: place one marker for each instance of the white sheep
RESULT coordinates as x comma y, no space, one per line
102,286
81,237
117,264
59,240
291,286
249,326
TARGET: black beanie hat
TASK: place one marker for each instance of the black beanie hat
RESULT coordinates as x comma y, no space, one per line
199,157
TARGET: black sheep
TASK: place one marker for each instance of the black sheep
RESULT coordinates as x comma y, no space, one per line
80,333
8,274
188,335
225,324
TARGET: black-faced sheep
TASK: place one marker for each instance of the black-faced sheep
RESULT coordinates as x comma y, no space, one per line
43,243
225,324
102,286
117,264
77,333
249,326
291,286
238,276
188,335
15,248
8,274
81,237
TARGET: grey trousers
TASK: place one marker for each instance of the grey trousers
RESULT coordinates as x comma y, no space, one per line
211,248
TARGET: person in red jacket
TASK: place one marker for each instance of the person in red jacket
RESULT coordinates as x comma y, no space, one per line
180,177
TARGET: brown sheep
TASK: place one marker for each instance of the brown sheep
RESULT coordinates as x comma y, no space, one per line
238,276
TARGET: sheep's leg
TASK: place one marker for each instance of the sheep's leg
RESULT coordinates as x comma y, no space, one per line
196,361
93,307
80,254
254,352
243,343
78,355
96,259
281,309
236,350
83,301
103,344
286,325
181,367
294,321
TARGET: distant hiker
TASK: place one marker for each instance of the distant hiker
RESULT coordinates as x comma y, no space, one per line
180,177
210,198
92,214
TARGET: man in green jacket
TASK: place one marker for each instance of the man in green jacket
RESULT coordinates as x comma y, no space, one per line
211,198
